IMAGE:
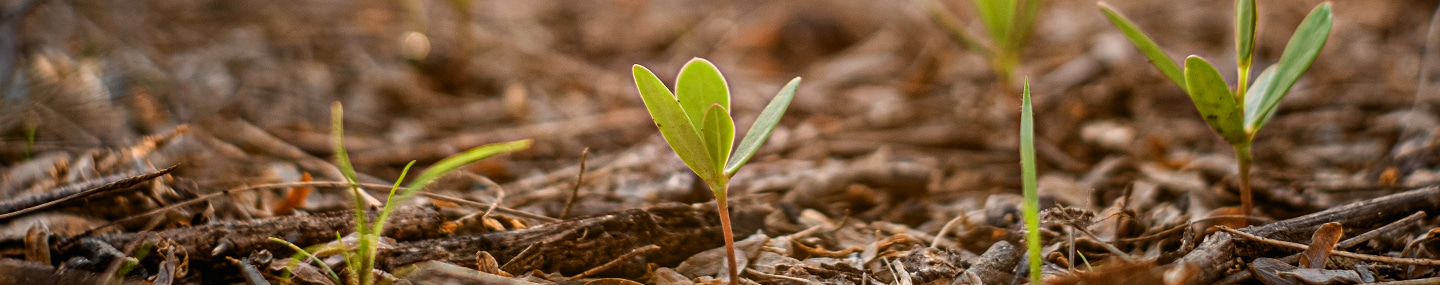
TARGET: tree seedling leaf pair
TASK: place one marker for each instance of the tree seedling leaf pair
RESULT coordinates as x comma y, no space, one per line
695,121
1237,115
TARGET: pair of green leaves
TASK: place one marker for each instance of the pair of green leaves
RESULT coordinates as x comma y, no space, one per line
695,120
1237,115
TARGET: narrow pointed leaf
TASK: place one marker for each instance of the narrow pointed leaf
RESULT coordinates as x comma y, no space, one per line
763,126
998,16
1254,97
670,118
1214,100
1244,32
1031,206
1157,57
699,85
1302,49
718,129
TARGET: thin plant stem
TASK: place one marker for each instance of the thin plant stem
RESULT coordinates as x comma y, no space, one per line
729,236
1242,156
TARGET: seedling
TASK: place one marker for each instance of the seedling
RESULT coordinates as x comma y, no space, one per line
1237,116
1031,208
1008,22
361,261
696,122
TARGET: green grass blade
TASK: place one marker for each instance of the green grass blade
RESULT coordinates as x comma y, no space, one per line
997,16
1214,100
763,126
342,160
1024,24
674,125
953,27
1256,97
444,166
390,200
1302,49
718,128
1157,57
1244,32
698,86
299,253
1027,173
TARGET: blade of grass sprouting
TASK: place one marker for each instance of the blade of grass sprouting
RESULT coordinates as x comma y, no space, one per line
1302,49
698,86
998,15
444,166
342,160
1214,100
390,200
763,126
953,27
718,129
300,252
674,125
1152,51
1024,24
1255,97
1027,174
1244,32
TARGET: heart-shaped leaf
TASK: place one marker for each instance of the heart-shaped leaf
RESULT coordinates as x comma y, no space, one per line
1157,57
763,126
1302,49
1214,100
674,125
698,86
718,130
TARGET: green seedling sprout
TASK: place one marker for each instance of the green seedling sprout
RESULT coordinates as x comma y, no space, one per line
696,122
1031,208
361,262
1237,116
1008,22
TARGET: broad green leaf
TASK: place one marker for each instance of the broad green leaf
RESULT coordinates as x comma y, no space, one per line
1214,100
1255,97
763,126
674,125
698,86
1302,49
1031,207
998,16
1244,32
1145,45
718,129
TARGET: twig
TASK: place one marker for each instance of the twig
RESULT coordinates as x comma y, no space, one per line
616,262
501,209
777,276
579,178
1359,256
499,192
945,230
1175,229
1347,243
121,184
1425,281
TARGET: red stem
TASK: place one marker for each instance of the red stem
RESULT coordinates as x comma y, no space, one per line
729,240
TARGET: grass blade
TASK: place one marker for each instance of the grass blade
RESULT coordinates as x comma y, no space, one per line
300,252
763,126
1027,173
1214,100
698,86
953,27
719,132
997,16
1024,24
674,125
1302,49
1157,57
1255,97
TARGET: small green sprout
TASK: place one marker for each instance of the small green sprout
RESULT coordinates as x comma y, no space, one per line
1008,22
696,122
1237,116
361,262
1031,208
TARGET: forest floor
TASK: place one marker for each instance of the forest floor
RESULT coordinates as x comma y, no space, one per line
897,162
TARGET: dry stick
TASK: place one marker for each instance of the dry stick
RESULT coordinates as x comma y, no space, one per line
499,192
616,262
579,178
1426,281
1217,251
1347,243
501,209
1359,256
1176,229
243,133
121,184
